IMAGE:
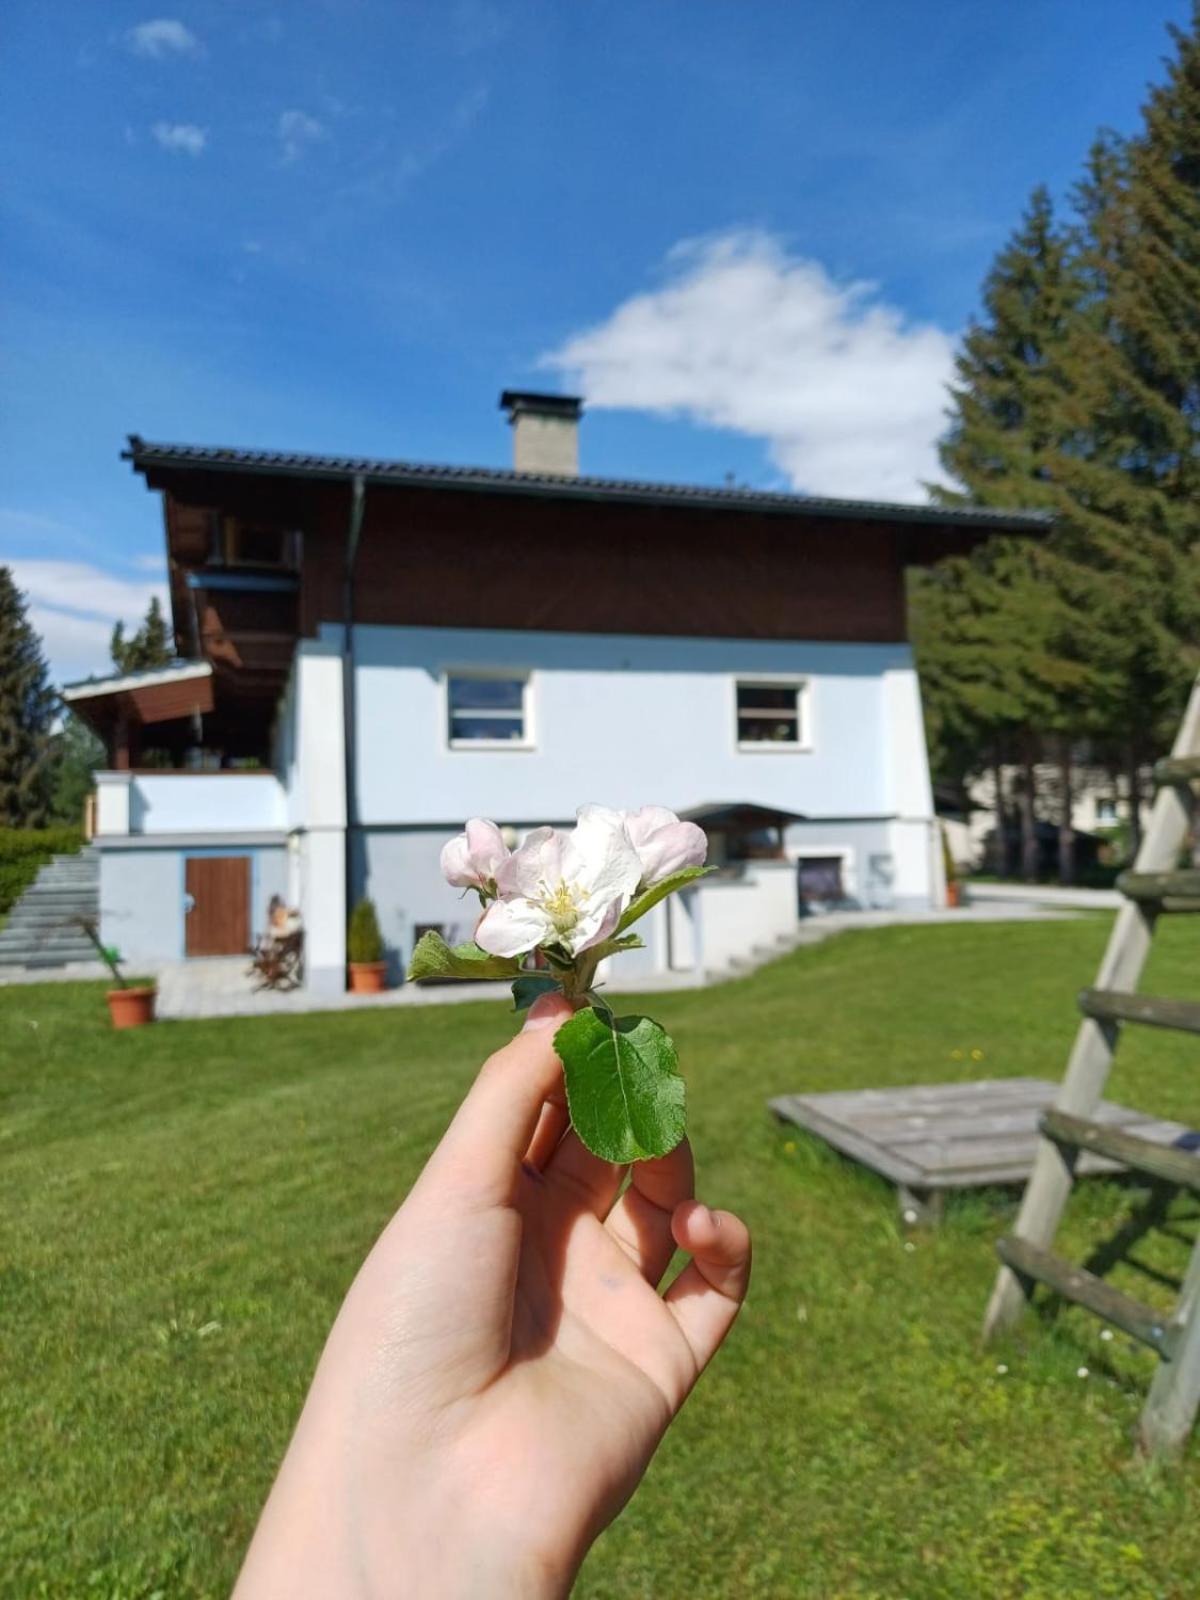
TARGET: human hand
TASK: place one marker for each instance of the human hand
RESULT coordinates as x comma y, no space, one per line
503,1366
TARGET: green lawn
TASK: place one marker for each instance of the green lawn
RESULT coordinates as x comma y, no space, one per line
183,1207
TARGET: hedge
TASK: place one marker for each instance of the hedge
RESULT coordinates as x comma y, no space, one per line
24,851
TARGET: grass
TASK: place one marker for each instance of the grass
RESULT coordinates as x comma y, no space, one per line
184,1206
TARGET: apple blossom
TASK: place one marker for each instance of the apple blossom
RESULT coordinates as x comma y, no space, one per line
571,896
664,844
472,859
566,890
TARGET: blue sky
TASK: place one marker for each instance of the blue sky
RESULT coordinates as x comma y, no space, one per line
749,234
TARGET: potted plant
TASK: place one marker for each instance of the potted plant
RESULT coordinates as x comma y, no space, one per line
364,948
953,887
129,1005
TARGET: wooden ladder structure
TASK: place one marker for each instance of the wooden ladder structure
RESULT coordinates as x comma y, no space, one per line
1154,886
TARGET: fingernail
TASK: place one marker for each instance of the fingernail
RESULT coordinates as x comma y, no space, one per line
545,1012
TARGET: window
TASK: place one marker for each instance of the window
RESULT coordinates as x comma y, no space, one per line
487,710
771,715
1106,813
254,545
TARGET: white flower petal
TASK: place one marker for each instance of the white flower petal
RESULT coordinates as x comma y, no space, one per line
602,859
457,868
511,927
641,824
488,849
520,875
596,926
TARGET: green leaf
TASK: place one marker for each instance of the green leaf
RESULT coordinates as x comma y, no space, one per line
434,958
650,897
612,947
531,986
624,1091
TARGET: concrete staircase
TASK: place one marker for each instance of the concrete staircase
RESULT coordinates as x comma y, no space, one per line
42,930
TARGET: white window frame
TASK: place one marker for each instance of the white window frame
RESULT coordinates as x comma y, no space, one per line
775,680
523,675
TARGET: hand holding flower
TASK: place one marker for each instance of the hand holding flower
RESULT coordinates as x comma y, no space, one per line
570,897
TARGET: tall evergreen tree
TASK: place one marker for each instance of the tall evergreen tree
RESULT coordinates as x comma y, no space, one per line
1005,413
1130,473
998,643
26,714
1080,391
148,647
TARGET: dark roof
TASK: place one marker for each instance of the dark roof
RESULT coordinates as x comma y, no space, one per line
492,480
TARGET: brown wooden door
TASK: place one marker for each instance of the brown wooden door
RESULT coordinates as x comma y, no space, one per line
218,916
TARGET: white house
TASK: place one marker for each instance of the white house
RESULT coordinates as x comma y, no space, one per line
372,651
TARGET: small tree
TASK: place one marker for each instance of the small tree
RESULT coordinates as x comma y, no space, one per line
364,943
26,714
77,754
149,647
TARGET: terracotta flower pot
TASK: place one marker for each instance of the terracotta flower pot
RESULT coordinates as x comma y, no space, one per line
131,1008
368,977
953,894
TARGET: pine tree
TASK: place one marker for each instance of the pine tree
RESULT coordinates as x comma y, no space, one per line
998,640
26,714
1132,470
150,646
77,754
1005,410
1001,655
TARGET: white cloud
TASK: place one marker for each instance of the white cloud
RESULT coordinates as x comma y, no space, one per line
73,605
180,137
297,131
846,391
163,36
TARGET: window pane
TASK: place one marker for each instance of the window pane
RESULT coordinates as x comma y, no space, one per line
487,694
767,730
767,697
465,726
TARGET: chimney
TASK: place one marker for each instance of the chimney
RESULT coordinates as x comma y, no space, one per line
545,432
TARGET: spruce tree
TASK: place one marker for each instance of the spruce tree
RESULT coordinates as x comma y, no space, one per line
26,714
1005,414
150,646
1000,653
1131,470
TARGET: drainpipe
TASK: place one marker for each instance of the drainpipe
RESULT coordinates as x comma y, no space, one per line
358,496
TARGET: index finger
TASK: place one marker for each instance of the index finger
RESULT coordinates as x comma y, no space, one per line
485,1144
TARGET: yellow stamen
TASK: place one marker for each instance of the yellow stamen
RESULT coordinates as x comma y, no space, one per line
561,905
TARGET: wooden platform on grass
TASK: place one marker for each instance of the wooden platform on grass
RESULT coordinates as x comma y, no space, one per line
935,1137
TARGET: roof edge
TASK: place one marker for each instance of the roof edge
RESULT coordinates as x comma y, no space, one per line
87,688
145,455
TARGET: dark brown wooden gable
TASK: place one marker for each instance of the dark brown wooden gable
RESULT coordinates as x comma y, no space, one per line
480,561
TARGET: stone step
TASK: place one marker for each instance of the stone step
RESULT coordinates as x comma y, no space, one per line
53,943
38,960
23,956
32,927
42,929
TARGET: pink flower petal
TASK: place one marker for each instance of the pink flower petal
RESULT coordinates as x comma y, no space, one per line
664,844
457,867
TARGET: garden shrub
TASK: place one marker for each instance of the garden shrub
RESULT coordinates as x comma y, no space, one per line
24,851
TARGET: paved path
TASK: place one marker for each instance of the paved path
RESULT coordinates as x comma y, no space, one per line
220,987
1048,894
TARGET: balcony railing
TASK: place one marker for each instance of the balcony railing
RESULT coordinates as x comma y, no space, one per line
188,802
